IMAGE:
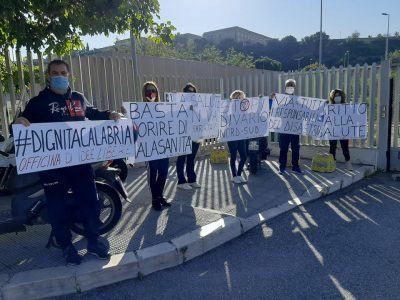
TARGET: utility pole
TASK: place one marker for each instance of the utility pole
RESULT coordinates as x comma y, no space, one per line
387,36
320,38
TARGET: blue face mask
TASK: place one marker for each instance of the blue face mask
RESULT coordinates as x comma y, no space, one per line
59,84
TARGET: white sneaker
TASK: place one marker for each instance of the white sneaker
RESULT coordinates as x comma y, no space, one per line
194,185
184,186
236,179
242,180
348,166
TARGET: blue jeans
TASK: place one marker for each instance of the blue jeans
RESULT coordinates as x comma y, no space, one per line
234,148
157,173
284,141
180,165
56,184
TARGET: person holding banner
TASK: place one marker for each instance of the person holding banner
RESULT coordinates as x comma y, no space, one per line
337,96
58,103
157,170
289,139
190,182
237,146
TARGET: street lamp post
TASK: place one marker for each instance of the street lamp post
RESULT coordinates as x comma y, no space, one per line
298,62
320,38
387,36
346,55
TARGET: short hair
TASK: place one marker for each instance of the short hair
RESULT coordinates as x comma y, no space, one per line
236,94
292,81
57,62
190,88
144,88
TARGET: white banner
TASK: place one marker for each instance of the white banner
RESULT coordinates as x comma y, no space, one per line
45,146
164,129
205,113
296,115
343,122
243,119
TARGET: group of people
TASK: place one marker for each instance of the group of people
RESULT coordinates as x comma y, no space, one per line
58,103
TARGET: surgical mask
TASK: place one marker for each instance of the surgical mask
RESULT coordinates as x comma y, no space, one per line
151,95
337,99
289,90
59,84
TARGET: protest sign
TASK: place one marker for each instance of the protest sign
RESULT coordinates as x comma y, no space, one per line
342,122
205,112
243,119
164,129
45,146
295,114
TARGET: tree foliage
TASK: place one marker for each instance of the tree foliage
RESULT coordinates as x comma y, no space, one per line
267,63
239,59
58,24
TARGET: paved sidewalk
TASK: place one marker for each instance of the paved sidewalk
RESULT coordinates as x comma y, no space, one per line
141,227
343,246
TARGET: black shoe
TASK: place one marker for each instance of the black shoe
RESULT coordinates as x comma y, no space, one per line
156,205
164,202
98,249
71,256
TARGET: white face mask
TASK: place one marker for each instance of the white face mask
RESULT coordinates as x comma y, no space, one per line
289,90
337,99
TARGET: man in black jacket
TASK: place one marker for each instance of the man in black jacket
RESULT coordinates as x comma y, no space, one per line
57,103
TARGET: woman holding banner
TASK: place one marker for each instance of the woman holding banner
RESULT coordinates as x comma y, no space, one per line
237,146
190,182
293,139
337,96
157,170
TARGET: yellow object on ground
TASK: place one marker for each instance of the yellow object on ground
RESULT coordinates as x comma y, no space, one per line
219,155
323,162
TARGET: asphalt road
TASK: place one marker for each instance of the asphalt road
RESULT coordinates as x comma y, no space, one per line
346,245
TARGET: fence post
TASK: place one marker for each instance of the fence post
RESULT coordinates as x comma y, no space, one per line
383,115
221,87
371,115
10,81
3,112
21,79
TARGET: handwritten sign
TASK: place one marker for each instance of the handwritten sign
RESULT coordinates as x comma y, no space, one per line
45,146
342,122
243,119
205,112
296,115
164,129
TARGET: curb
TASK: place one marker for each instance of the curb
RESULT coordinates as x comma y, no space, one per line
57,281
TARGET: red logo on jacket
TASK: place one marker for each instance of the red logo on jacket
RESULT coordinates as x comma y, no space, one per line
75,108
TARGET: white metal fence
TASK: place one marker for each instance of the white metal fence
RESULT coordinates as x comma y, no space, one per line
107,81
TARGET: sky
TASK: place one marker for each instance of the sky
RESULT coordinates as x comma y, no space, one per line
275,18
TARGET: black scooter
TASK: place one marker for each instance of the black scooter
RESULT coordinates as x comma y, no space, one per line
28,203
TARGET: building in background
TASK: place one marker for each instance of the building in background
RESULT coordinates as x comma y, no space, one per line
238,34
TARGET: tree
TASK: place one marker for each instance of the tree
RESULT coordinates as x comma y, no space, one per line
58,25
395,57
267,63
212,55
235,58
355,35
313,67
